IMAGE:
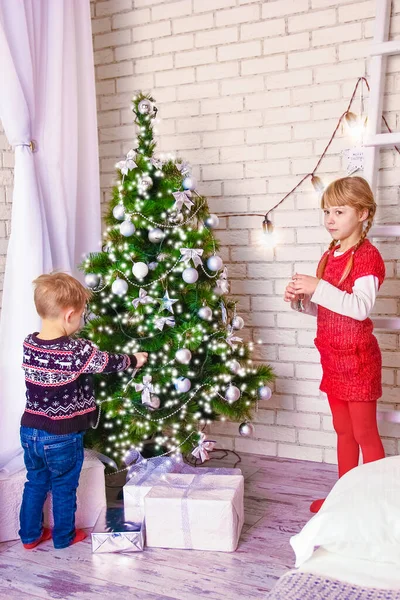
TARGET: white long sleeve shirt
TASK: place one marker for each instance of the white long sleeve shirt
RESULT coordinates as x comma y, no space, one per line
357,305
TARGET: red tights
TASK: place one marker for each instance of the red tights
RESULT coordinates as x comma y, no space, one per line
356,427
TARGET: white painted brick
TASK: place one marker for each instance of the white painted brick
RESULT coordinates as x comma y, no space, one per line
302,131
268,271
116,38
133,18
311,20
339,71
327,3
242,85
287,43
244,154
298,419
240,120
263,29
300,452
115,70
313,405
237,51
180,109
112,6
207,123
298,60
197,57
102,57
290,80
268,135
255,446
143,81
136,50
282,369
317,438
333,35
291,150
171,10
217,71
277,8
301,388
353,50
308,371
216,37
237,15
263,168
101,25
285,114
319,93
230,171
151,31
201,6
197,23
194,91
268,99
224,138
175,77
354,12
174,43
266,64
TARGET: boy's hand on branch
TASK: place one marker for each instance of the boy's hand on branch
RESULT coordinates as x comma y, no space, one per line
141,359
304,284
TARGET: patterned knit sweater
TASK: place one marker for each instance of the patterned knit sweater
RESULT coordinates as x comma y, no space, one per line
59,385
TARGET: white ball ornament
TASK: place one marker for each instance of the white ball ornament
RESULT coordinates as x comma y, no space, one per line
237,322
232,394
190,275
156,235
214,263
212,222
205,313
119,287
140,270
189,183
145,107
183,356
234,366
145,183
246,429
183,385
264,392
127,228
92,280
119,212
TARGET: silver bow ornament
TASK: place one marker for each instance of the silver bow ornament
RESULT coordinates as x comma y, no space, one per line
224,314
222,282
128,164
146,388
182,198
193,254
204,447
161,321
183,167
143,298
231,338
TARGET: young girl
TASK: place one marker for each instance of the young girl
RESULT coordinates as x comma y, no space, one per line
342,296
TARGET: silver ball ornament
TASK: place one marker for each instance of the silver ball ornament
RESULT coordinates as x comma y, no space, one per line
145,183
153,266
140,270
232,393
183,385
127,228
119,287
92,280
212,222
246,429
214,263
154,403
237,322
264,392
189,183
119,212
145,107
234,366
183,356
156,235
190,275
205,313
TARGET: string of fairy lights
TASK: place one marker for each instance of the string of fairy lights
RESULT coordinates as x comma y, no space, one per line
146,312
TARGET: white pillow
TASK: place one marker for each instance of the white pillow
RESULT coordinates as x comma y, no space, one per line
360,518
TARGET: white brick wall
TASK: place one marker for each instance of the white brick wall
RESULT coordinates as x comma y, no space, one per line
249,92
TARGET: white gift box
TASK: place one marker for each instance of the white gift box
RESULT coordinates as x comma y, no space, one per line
91,498
114,533
203,512
137,488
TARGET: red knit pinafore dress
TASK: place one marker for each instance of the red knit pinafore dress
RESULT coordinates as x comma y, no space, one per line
350,356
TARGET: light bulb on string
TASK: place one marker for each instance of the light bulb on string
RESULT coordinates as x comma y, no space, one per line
356,124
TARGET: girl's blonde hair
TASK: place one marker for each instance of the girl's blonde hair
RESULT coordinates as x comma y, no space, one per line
56,292
354,192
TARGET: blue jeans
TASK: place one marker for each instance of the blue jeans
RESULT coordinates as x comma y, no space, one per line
53,462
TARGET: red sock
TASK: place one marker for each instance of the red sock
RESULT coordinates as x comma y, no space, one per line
80,535
46,535
316,505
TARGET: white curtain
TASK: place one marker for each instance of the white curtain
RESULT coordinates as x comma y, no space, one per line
47,95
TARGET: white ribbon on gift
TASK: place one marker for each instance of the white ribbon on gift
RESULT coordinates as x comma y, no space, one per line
182,198
204,446
146,388
161,321
128,164
193,254
143,298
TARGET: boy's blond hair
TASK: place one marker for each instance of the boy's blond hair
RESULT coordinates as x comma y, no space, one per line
58,291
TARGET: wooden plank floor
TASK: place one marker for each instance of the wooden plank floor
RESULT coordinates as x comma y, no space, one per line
277,497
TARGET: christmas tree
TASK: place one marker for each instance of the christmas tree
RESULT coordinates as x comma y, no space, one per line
160,287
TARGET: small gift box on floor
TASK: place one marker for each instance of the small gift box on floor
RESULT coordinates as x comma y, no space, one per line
202,512
113,533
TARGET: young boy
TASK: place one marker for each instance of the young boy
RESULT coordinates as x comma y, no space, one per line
60,406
